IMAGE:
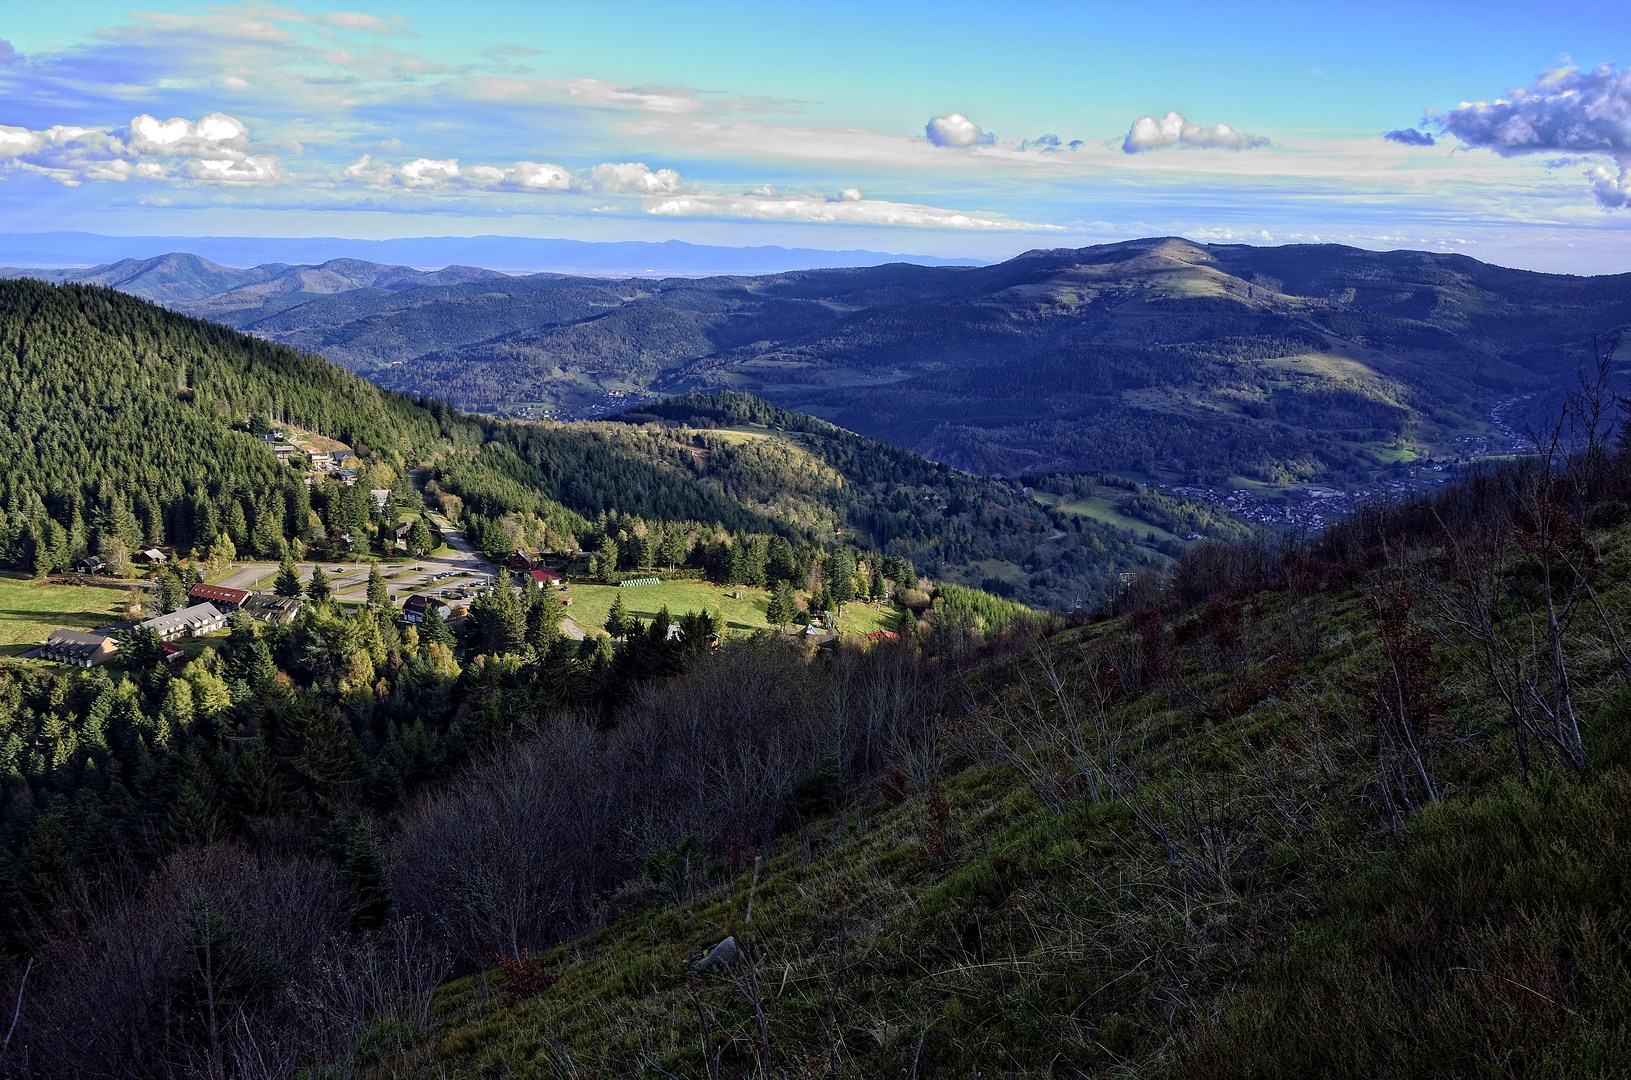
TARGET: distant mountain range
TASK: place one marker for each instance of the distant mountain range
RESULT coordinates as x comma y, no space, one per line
511,254
1159,360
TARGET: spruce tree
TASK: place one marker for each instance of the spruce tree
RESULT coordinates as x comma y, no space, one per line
288,579
317,588
617,619
378,595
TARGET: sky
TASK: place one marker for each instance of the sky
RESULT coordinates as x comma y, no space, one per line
1498,130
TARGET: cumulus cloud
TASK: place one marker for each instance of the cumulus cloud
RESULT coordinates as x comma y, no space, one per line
212,137
1411,137
1153,133
428,172
212,150
634,177
7,53
1566,109
449,174
1612,191
955,129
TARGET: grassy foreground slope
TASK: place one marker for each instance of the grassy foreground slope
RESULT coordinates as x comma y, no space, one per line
1274,819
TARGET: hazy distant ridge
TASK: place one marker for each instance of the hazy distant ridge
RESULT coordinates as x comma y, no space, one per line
507,253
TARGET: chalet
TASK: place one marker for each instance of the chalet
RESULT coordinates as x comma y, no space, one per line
283,451
339,456
80,648
883,635
173,653
417,606
319,460
381,496
151,557
520,559
188,622
272,608
347,477
545,576
90,564
219,595
401,533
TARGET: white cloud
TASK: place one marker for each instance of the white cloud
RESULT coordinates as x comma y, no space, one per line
212,150
1563,110
536,176
844,210
216,135
1152,133
955,129
634,177
436,174
428,172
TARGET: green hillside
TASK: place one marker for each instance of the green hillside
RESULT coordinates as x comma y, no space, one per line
1277,820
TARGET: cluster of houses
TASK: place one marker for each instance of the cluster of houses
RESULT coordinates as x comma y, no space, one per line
319,461
207,612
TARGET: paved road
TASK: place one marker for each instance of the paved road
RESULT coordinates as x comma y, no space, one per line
453,569
449,572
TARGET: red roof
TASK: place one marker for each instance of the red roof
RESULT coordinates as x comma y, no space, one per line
542,576
883,635
220,594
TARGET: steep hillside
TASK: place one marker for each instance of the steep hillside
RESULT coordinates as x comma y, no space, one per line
1284,817
1157,359
121,420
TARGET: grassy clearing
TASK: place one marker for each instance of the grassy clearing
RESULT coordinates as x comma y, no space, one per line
1103,510
592,603
30,610
1390,455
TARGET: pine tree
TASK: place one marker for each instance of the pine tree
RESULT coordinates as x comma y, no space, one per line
783,606
617,619
420,541
317,588
378,595
288,579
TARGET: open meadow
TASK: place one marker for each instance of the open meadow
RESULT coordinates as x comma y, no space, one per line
31,609
744,615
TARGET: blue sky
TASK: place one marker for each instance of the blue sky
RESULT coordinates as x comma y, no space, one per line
971,129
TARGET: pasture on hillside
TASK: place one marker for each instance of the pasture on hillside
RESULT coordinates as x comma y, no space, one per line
30,609
592,603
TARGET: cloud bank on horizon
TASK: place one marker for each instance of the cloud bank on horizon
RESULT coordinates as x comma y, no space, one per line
242,114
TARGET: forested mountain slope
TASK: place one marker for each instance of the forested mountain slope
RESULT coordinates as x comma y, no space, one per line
111,407
1150,358
127,421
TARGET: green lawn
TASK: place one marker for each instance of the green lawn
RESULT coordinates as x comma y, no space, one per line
592,603
30,610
